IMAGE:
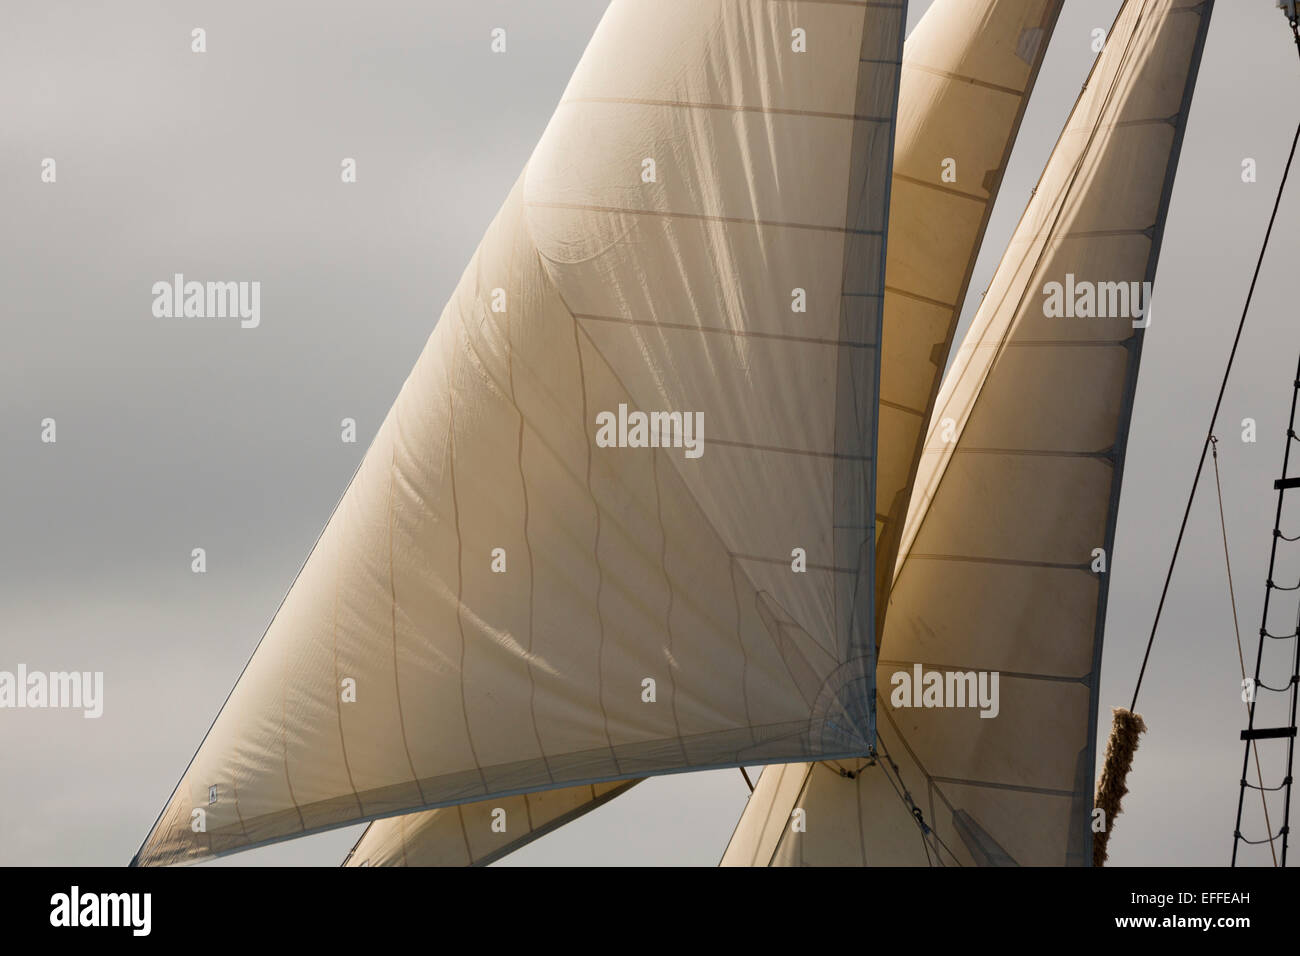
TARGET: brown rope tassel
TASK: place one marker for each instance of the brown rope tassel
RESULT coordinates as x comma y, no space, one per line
1120,748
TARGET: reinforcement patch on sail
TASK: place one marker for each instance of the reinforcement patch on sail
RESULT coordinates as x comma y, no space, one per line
642,432
961,98
1001,587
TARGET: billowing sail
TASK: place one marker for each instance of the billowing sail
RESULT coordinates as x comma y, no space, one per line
1011,525
618,520
968,69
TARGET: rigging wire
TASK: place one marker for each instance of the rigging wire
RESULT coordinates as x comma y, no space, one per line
905,795
926,847
906,798
1241,655
1164,592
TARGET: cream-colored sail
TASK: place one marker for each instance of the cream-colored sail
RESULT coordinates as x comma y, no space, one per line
968,69
476,834
528,584
1014,509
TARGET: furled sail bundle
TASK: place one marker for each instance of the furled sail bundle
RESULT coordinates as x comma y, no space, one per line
1006,550
618,521
968,69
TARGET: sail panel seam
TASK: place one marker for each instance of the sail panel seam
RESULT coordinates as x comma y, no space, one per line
962,78
725,107
735,333
701,217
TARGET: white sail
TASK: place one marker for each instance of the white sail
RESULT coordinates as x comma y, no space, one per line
1015,506
515,593
968,69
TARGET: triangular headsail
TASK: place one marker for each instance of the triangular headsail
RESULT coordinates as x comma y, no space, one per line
968,69
1018,487
476,834
515,592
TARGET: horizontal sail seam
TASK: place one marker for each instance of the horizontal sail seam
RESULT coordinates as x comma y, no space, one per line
786,561
808,452
1019,675
885,403
940,187
703,217
994,785
920,298
1103,455
728,107
1013,562
962,78
736,333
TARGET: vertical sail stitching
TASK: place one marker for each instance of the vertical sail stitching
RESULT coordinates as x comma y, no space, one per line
284,743
460,545
668,611
528,545
392,589
460,815
600,574
338,697
744,654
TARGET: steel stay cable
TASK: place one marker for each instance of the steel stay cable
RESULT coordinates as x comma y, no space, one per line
1214,417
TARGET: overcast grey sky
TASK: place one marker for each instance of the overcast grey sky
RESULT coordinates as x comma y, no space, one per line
177,436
